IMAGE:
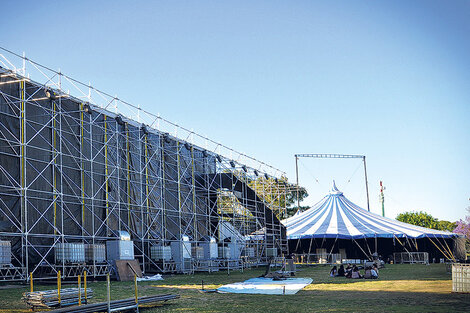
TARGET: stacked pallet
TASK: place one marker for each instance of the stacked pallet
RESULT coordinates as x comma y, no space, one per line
50,298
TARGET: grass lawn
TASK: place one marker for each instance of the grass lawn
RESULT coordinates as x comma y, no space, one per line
401,288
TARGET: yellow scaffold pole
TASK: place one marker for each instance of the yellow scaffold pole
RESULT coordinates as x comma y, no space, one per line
31,281
59,283
84,286
79,290
23,139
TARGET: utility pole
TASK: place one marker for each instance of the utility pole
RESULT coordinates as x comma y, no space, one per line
382,199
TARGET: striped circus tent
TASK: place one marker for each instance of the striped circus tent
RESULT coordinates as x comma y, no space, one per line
336,225
337,217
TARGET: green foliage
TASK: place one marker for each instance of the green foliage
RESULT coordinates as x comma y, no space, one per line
292,210
292,196
279,194
273,192
446,226
424,219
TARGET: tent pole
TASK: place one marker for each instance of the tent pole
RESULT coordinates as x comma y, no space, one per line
297,180
403,245
309,248
297,246
368,248
443,252
367,186
332,247
449,251
360,248
376,243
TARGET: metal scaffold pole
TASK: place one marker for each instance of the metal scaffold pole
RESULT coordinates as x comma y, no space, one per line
24,208
164,213
367,184
297,180
106,174
54,156
193,187
82,169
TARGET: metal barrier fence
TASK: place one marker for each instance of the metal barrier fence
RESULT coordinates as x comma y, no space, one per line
411,257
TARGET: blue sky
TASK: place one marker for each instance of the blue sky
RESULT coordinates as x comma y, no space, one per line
387,79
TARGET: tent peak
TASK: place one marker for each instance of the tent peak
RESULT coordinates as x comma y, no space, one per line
334,190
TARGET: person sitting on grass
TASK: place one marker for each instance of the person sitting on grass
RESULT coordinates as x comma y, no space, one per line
341,271
368,273
355,273
374,271
348,270
334,272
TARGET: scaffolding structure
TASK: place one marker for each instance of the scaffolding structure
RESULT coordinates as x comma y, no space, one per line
83,168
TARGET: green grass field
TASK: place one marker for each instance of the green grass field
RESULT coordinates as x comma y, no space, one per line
401,288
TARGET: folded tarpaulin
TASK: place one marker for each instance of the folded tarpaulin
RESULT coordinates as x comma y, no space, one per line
267,286
150,278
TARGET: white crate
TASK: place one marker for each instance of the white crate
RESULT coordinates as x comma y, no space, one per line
249,252
120,250
69,252
224,252
198,252
180,250
210,250
5,252
461,278
271,252
159,253
95,253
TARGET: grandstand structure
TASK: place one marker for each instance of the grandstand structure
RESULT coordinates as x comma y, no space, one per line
79,166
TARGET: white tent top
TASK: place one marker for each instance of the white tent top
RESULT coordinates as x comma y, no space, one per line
337,217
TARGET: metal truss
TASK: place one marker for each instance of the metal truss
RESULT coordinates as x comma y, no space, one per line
82,168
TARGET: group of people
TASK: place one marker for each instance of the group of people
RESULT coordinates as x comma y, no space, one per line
354,272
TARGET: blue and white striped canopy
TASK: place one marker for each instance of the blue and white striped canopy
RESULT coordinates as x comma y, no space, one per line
337,217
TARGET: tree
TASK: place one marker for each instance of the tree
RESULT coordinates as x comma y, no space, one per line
292,202
419,219
279,194
463,227
425,220
294,209
446,226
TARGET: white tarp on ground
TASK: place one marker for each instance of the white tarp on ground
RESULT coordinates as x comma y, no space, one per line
151,278
267,286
